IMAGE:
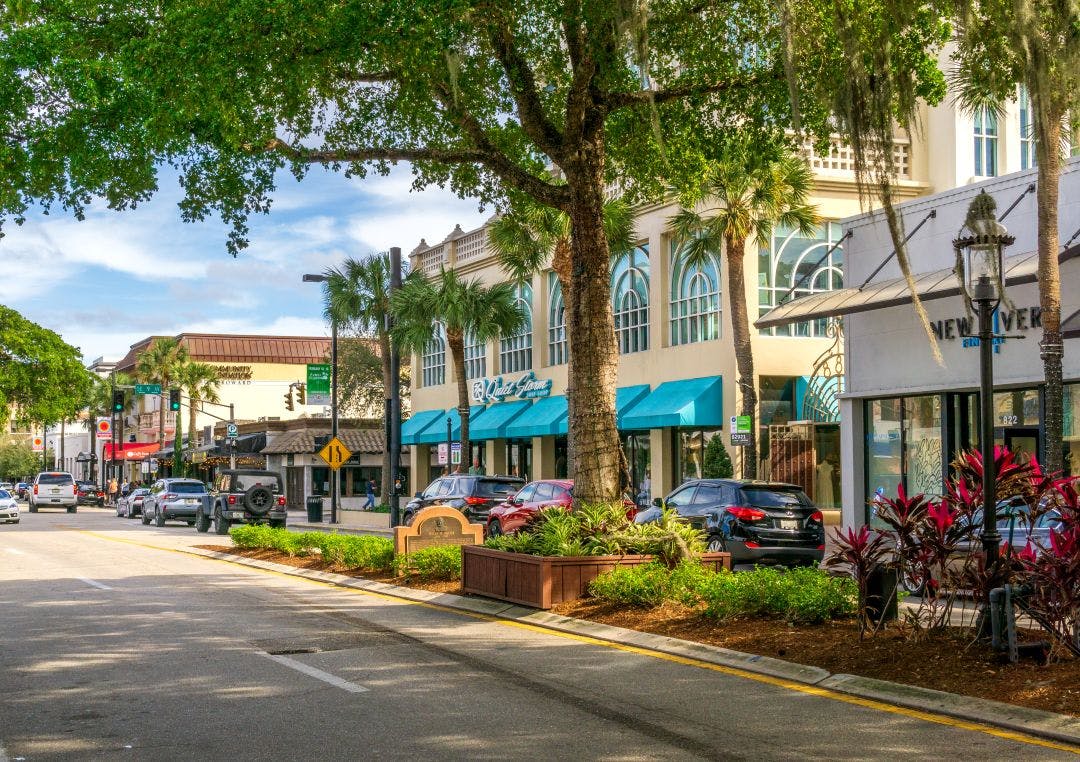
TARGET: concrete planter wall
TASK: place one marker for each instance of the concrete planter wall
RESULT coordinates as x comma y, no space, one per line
543,581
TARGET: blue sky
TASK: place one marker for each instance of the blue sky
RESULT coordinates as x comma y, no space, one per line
117,277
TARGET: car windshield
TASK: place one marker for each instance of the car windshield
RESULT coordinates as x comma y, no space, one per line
4,494
86,485
187,488
55,479
496,487
244,482
140,491
775,497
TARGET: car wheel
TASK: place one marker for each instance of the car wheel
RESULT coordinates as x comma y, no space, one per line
716,544
73,509
221,525
145,518
202,522
494,528
159,518
33,508
407,519
912,582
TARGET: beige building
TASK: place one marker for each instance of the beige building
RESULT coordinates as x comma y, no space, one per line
677,377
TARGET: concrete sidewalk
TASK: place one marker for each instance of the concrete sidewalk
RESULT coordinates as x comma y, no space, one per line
349,522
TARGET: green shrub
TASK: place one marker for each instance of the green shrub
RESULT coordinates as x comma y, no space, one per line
354,552
368,552
803,595
644,585
438,563
251,536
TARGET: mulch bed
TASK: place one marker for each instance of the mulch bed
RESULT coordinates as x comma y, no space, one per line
948,662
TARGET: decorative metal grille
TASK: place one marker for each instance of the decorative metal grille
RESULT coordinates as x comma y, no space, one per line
821,403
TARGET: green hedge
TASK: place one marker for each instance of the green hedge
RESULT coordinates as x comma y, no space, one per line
803,595
362,552
437,563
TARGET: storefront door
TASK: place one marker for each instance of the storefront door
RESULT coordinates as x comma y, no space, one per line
1024,441
519,458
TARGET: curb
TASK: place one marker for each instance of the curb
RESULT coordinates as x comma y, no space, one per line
1034,722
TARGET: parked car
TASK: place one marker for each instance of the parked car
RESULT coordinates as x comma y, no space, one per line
473,495
7,486
88,493
130,505
53,488
243,496
757,522
512,514
22,490
9,507
174,498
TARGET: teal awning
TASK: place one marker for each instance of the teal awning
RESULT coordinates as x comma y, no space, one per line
547,417
697,402
625,398
411,428
436,432
492,424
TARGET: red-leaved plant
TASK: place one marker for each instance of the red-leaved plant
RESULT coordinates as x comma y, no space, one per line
860,552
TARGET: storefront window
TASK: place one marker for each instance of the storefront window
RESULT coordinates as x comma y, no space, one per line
1016,408
433,359
515,352
690,452
1071,429
882,447
922,445
794,259
556,324
776,399
320,481
475,357
639,459
630,299
695,300
562,458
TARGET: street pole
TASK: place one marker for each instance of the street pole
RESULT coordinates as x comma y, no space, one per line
983,297
232,442
394,442
449,446
334,478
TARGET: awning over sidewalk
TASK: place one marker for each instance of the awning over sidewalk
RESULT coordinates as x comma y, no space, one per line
695,402
625,398
493,422
436,431
547,417
131,450
411,428
939,284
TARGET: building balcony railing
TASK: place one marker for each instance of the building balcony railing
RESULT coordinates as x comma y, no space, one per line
839,162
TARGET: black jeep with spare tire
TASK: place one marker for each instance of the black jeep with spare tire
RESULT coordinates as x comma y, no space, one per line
244,496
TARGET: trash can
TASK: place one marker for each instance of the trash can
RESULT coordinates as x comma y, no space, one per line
881,594
314,509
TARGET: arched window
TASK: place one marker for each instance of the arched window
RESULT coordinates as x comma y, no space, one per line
798,260
475,357
515,352
433,359
630,299
556,323
695,300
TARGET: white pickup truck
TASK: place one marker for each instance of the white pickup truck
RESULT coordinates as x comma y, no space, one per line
53,488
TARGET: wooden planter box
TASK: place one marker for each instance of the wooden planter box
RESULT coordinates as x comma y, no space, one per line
543,581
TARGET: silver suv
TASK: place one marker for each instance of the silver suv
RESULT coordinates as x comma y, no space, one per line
53,488
174,498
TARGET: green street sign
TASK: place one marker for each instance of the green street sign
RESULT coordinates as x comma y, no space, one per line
148,388
743,424
318,378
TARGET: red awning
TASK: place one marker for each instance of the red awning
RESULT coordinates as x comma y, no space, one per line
131,450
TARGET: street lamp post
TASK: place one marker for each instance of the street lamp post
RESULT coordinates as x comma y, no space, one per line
394,427
316,278
982,246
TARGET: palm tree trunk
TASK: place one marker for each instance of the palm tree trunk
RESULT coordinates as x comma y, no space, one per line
192,417
596,466
1047,147
388,381
455,341
560,264
744,354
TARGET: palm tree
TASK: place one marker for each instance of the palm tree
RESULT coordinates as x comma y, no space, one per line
462,308
158,363
745,193
357,295
200,382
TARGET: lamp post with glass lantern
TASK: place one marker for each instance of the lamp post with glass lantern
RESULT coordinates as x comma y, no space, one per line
334,479
982,241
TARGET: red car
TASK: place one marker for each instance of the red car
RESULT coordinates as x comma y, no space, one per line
511,515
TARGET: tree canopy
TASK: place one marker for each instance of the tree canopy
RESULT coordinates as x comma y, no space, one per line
41,376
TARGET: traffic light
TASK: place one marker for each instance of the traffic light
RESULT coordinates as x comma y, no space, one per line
174,399
301,394
118,401
289,399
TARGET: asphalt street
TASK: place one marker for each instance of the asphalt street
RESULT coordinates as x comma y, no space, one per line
116,644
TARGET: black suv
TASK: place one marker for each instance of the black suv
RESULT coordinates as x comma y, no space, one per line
88,493
244,496
757,522
473,495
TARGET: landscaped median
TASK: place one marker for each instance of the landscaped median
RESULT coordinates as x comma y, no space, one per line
763,620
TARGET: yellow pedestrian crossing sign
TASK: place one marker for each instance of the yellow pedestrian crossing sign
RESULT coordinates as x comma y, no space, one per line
335,453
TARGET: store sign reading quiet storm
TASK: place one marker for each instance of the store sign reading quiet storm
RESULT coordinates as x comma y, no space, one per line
528,386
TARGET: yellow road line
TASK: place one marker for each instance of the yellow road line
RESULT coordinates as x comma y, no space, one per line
779,682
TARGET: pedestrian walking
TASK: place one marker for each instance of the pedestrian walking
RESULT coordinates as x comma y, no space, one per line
370,495
113,489
125,488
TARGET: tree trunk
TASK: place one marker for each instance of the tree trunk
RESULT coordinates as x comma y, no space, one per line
455,341
193,413
1047,148
744,354
561,265
388,381
596,467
